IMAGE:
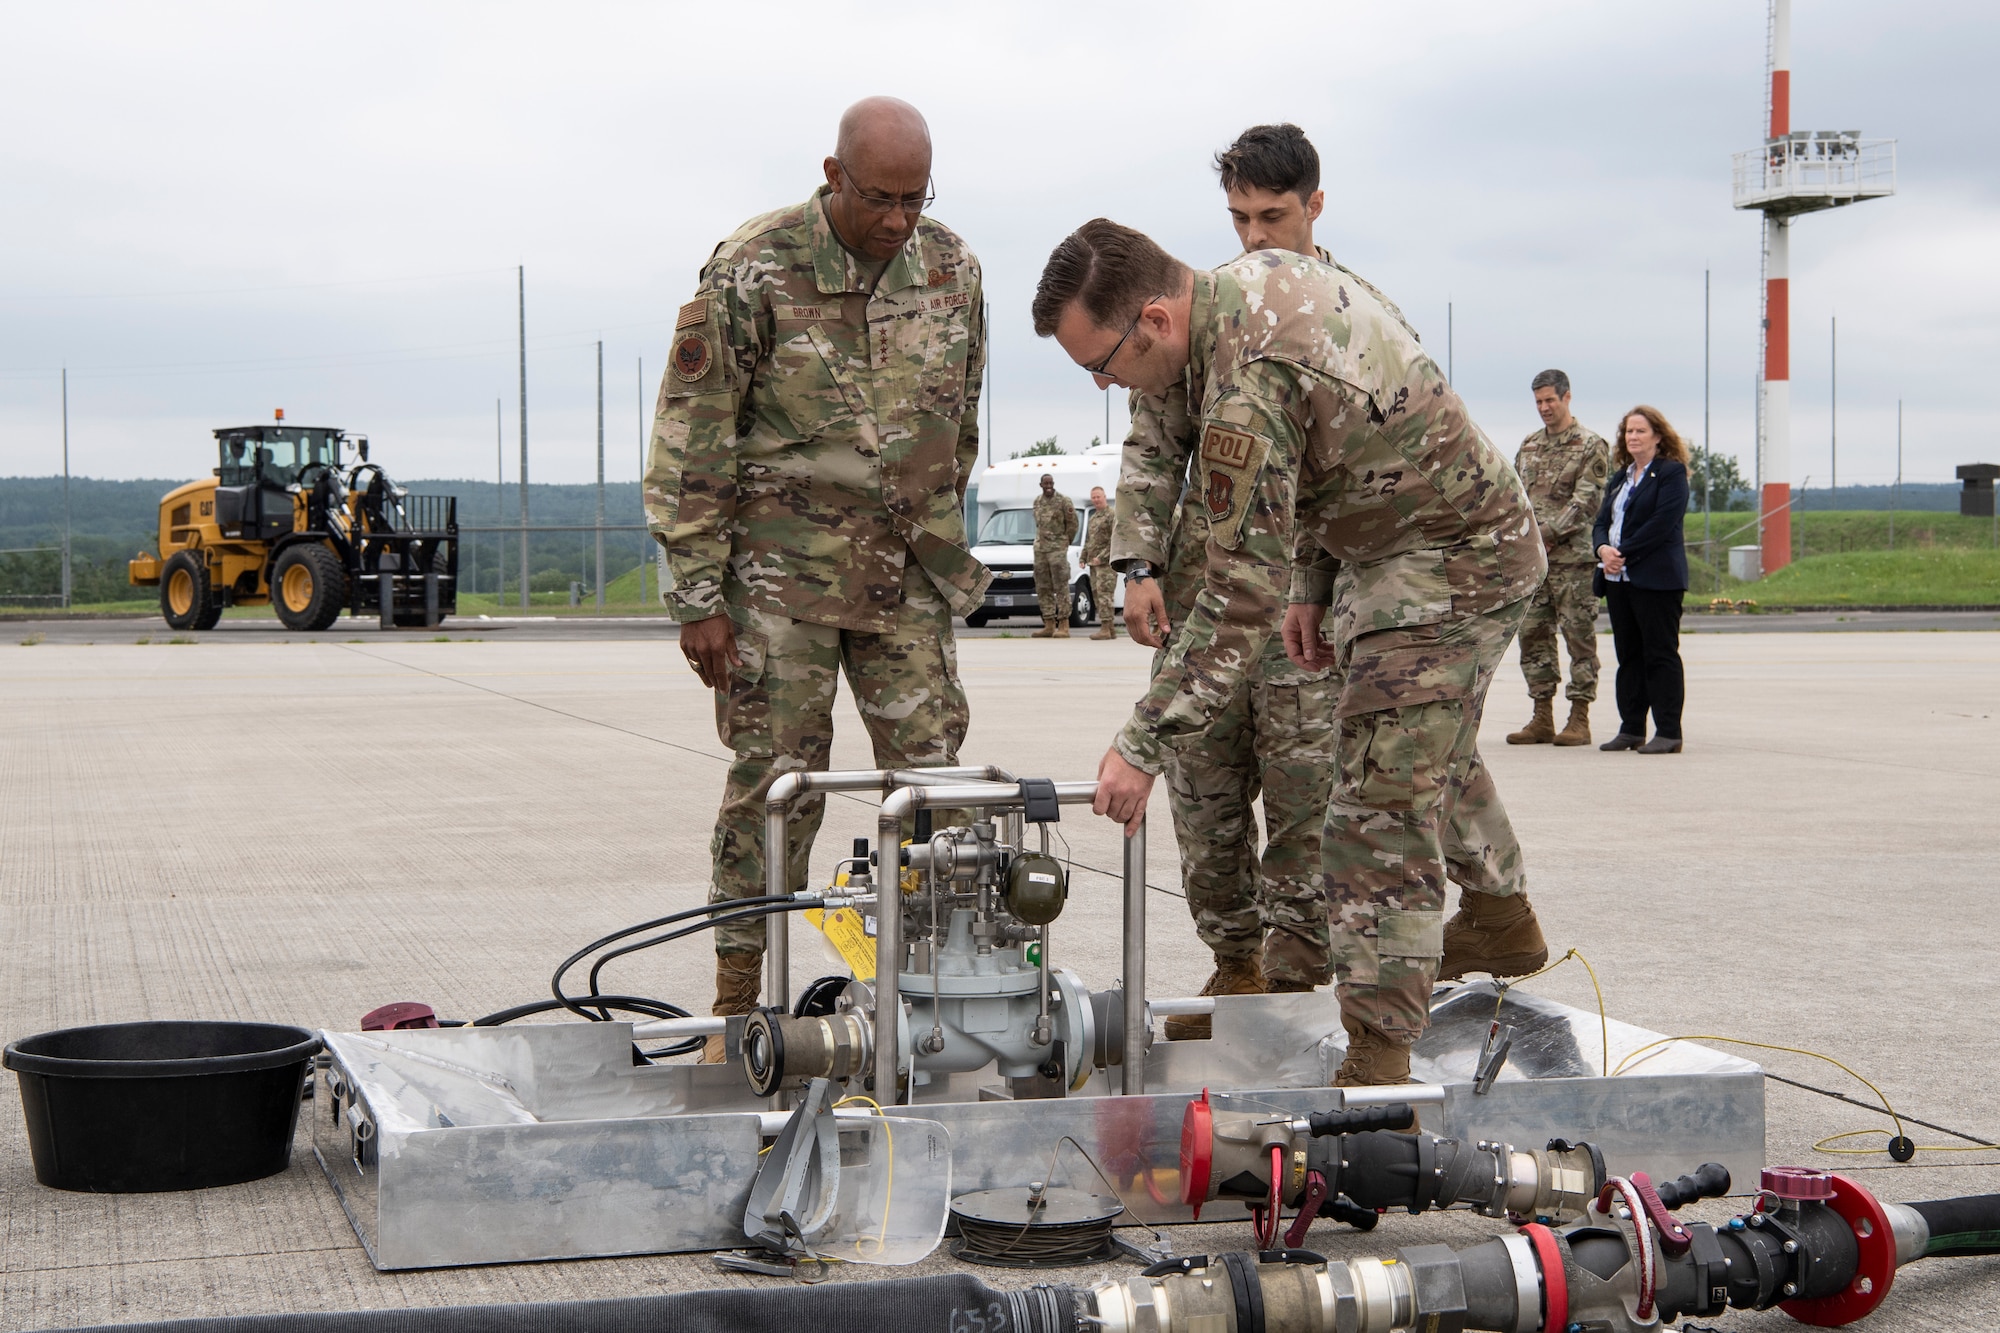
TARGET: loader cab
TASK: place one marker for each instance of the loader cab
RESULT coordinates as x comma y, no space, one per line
257,464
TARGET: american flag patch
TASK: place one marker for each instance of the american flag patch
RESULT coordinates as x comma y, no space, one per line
692,314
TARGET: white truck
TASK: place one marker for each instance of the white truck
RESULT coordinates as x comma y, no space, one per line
1000,509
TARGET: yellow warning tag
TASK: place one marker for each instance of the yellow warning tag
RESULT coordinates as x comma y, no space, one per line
844,929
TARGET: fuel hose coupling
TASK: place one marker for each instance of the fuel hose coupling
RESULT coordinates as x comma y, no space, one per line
1358,1161
783,1053
1819,1247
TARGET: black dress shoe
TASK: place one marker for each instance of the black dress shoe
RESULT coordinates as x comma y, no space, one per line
1623,742
1661,745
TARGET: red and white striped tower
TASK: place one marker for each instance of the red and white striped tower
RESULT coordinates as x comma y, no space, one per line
1774,450
1796,171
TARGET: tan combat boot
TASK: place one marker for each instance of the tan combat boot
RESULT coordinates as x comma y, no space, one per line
1373,1060
1062,628
1541,728
1104,631
1576,731
1492,934
738,978
1047,631
1232,976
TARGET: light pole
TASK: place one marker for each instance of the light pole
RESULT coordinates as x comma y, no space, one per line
66,584
600,474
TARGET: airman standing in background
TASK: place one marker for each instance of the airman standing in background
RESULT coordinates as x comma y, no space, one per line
1055,529
816,429
1564,466
1097,561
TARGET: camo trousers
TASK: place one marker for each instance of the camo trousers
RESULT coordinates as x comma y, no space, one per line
1104,592
1275,737
1413,804
777,715
1563,604
1052,584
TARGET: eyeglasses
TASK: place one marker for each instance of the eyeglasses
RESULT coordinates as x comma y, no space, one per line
1101,368
881,203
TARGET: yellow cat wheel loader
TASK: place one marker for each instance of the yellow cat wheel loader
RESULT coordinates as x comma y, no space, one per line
284,521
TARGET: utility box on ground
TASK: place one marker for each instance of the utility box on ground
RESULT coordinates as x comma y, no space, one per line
1976,500
1746,563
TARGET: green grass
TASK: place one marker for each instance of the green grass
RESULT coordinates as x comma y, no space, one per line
1844,559
1940,576
1836,531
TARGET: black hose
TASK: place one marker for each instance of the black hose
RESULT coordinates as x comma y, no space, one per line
763,909
1966,1226
737,911
945,1302
628,1003
668,920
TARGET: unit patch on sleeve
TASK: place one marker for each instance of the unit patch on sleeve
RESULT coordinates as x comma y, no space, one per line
1226,448
694,314
1221,495
691,358
1231,458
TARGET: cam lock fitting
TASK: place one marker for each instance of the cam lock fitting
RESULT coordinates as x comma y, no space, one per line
783,1053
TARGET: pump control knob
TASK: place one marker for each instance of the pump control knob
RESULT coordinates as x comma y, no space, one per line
1796,1184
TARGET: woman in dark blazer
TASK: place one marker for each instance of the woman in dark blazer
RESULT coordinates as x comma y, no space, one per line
1642,574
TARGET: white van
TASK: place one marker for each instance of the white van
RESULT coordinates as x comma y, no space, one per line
1001,508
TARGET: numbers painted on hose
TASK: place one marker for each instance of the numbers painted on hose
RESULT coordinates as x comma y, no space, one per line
993,1319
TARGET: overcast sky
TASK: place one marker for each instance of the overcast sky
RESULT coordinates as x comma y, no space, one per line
210,211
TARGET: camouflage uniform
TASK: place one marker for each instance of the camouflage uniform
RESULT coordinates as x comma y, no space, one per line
1564,473
1097,561
814,436
1322,422
1055,527
1274,737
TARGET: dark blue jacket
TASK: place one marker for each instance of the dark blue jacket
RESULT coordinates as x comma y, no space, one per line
1654,544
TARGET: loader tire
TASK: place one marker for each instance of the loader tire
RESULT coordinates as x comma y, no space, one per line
308,587
187,595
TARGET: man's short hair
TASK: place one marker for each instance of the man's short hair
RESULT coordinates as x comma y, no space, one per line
1551,379
1271,157
1109,270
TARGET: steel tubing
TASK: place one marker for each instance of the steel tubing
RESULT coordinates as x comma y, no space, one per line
786,790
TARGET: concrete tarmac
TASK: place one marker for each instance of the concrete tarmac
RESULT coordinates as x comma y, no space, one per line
283,828
265,628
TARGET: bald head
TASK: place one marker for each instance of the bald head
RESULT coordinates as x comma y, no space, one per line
879,175
883,131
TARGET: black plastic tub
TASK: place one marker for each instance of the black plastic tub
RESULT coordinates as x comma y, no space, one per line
131,1108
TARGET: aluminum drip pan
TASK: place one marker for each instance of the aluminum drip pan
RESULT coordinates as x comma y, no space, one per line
456,1146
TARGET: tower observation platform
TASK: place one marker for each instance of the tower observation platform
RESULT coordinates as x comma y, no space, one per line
1809,170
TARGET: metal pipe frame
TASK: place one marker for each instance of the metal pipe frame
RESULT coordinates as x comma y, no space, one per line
787,790
889,919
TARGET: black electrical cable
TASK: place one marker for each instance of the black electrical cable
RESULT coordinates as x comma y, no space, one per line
629,1003
707,909
720,919
680,933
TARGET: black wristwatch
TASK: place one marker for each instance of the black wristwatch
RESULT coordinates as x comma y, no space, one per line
1137,572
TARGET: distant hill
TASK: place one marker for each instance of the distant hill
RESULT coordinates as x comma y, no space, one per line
110,521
